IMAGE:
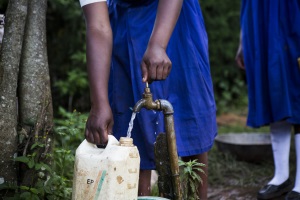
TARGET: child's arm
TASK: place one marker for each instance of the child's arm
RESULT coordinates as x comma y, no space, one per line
98,51
156,65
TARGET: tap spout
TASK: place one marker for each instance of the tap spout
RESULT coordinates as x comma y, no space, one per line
139,105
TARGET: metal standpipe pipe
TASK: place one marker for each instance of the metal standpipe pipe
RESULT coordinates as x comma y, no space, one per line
165,106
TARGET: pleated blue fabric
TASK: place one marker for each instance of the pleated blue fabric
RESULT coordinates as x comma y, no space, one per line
271,42
188,88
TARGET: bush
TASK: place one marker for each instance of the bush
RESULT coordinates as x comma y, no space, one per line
223,28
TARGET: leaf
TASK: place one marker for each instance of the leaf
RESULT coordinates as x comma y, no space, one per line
34,191
31,163
197,178
37,145
181,163
23,159
200,170
192,187
34,154
38,166
45,166
23,187
25,195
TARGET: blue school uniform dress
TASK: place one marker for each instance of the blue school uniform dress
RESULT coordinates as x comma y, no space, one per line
271,45
188,88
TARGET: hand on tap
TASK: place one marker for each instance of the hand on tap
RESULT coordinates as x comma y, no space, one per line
156,64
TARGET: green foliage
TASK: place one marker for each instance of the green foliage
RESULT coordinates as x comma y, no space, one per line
54,182
66,52
223,27
75,83
49,184
69,128
190,178
69,134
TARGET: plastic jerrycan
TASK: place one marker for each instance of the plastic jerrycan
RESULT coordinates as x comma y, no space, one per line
106,174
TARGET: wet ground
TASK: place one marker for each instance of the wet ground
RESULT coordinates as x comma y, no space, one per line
234,193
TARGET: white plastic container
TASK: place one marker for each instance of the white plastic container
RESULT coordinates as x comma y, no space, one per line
106,174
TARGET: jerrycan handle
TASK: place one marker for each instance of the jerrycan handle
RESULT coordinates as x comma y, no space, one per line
111,141
101,146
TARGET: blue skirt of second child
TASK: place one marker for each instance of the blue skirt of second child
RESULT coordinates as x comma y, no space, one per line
271,45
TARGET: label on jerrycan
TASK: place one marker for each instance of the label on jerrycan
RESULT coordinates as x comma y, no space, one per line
107,174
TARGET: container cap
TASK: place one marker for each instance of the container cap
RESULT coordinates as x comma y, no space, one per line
126,142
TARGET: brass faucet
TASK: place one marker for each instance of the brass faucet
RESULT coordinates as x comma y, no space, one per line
147,101
165,106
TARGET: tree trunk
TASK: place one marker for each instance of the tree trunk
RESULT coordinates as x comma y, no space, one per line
35,101
9,68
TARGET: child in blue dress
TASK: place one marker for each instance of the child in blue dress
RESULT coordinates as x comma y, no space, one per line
269,50
145,40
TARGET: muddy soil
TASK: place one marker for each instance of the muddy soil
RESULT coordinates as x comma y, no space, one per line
237,193
234,193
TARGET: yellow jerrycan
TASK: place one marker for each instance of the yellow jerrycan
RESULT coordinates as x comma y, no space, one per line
106,174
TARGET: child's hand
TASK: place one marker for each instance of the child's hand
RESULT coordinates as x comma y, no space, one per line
156,64
99,125
239,58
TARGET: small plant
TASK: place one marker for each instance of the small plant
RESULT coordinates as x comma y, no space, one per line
69,129
48,184
190,178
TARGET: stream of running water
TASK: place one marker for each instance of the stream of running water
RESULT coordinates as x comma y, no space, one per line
131,125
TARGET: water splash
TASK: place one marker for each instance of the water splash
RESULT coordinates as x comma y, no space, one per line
131,125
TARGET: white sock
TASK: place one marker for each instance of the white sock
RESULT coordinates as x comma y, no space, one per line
297,146
281,142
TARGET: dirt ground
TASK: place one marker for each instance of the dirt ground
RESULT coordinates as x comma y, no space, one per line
233,193
237,193
221,193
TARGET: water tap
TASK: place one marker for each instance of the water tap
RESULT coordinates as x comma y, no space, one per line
147,101
165,106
